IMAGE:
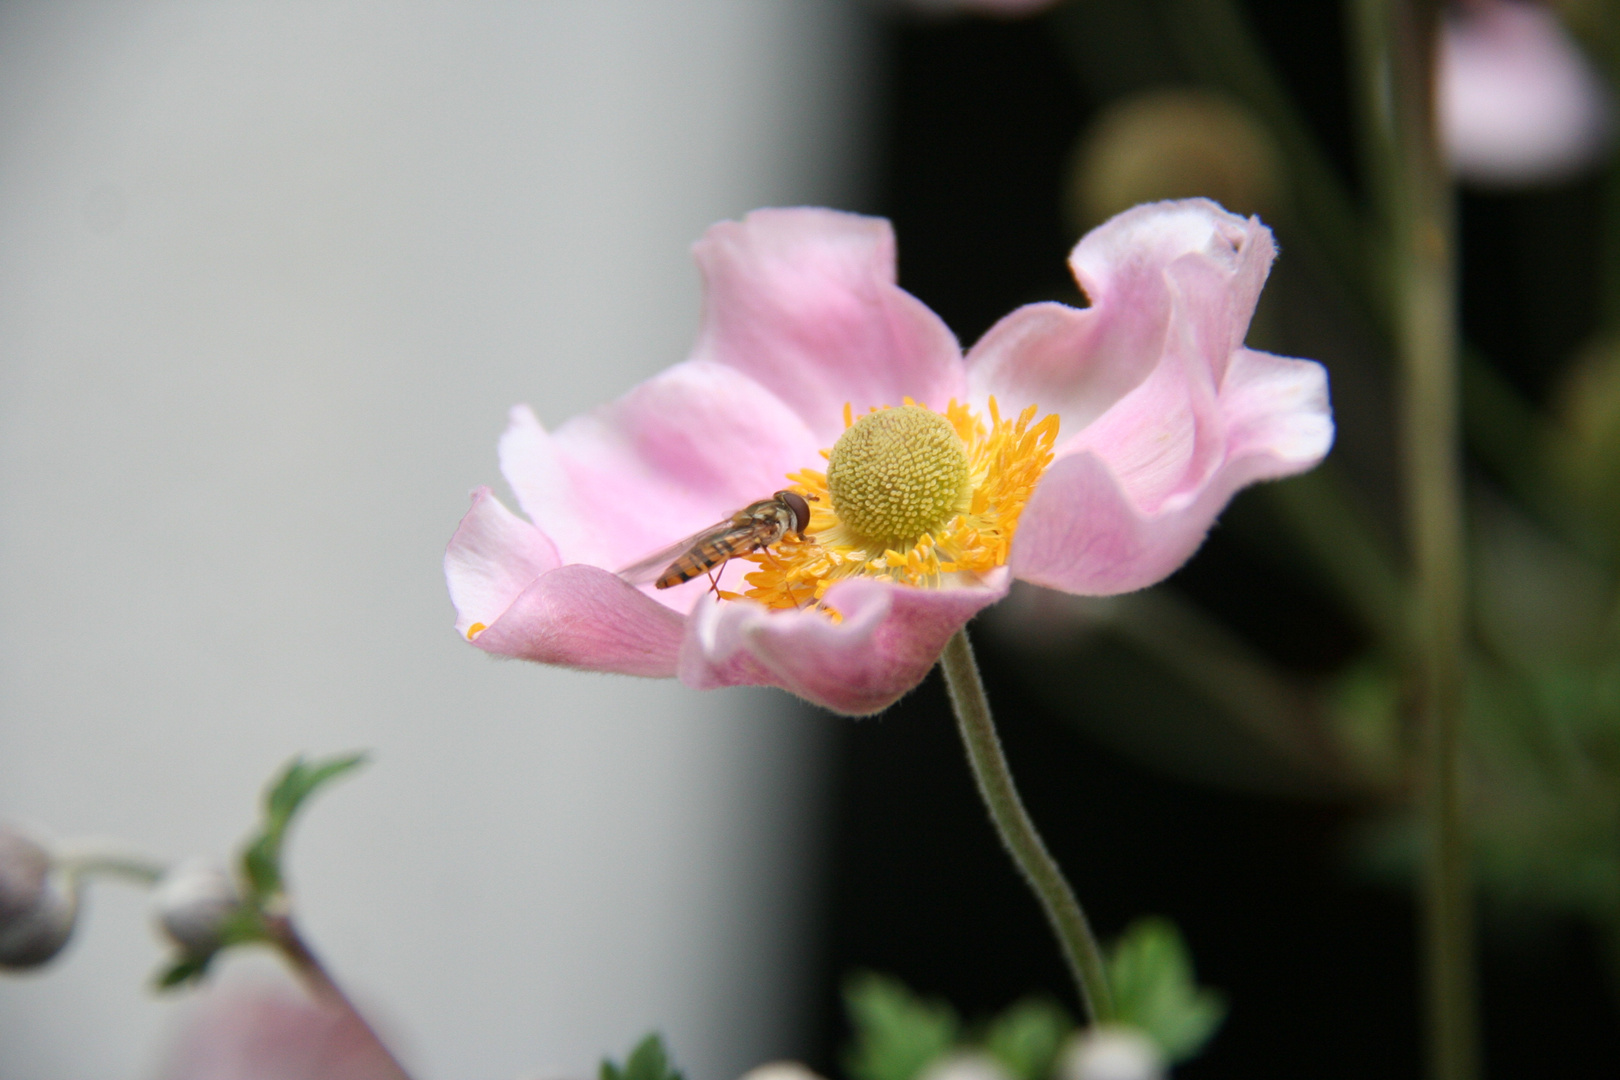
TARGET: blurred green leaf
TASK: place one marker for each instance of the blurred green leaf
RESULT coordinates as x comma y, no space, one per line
1151,974
897,1034
648,1061
243,926
183,972
1027,1037
261,858
298,782
261,866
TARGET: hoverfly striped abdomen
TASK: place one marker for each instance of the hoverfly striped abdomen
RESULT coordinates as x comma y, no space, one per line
701,558
757,525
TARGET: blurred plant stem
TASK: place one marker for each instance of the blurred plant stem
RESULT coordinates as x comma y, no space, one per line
1336,539
1217,44
1396,42
87,859
1605,24
1263,699
1018,831
284,935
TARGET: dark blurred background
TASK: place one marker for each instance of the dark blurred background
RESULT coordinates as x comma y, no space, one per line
1150,802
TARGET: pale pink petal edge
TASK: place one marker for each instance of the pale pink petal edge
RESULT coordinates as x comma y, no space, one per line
1145,271
512,599
493,556
804,300
889,638
1081,533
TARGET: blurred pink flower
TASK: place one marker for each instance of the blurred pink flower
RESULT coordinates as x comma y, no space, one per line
1518,102
1154,415
271,1034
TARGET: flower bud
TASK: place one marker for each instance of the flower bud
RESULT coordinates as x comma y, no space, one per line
1112,1053
192,903
781,1070
966,1066
37,909
1519,104
1169,144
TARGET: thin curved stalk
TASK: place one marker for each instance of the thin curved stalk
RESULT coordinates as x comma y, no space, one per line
85,860
1018,831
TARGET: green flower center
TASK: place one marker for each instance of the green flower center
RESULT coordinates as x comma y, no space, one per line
896,474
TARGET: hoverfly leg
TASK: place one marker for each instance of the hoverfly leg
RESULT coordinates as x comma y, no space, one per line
766,551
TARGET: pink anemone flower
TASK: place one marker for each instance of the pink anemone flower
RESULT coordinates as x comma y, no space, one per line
1088,450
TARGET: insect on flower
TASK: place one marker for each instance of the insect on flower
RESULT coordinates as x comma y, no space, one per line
1082,449
757,525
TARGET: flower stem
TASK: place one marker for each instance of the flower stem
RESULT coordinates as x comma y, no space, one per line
309,969
85,860
1397,40
1017,831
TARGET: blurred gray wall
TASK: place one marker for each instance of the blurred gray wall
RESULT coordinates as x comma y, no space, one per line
270,275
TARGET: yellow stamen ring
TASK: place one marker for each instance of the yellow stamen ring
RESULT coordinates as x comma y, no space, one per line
933,529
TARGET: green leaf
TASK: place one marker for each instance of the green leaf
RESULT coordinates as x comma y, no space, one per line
648,1061
897,1034
286,795
243,926
261,865
298,781
1151,974
189,969
1027,1037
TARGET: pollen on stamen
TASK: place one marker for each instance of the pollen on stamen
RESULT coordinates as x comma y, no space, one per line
1005,460
475,629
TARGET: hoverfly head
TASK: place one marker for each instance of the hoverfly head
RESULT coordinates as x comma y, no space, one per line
800,509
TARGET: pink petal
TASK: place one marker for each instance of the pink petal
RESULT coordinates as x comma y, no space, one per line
584,617
492,558
1187,265
1084,531
271,1035
890,636
805,301
1166,436
1277,413
1518,102
678,453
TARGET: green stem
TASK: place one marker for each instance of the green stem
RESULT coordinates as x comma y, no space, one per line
85,860
1017,831
1397,41
1606,23
1318,510
320,984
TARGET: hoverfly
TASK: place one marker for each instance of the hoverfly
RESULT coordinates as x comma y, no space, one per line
757,525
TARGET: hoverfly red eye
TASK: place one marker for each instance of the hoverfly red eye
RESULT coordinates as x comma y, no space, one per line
801,509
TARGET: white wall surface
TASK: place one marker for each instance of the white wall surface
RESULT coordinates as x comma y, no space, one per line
270,275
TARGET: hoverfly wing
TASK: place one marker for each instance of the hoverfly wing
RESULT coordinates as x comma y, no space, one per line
647,570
